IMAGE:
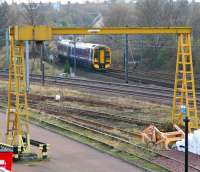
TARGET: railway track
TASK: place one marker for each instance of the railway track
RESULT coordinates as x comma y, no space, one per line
139,151
103,129
141,78
90,115
106,129
149,74
58,79
94,114
34,99
96,136
147,92
37,102
159,79
100,129
152,78
92,124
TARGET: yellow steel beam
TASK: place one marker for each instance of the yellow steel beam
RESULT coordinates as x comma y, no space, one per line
39,33
121,30
32,33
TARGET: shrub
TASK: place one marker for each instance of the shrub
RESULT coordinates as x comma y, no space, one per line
66,67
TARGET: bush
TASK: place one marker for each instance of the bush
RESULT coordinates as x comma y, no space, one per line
156,58
161,58
67,67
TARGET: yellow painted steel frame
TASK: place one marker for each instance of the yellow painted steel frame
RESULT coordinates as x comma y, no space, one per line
17,116
40,33
184,86
17,131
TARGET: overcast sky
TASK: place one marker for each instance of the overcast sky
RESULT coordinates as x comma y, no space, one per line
62,1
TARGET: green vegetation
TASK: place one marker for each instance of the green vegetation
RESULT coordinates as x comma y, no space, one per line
49,68
66,67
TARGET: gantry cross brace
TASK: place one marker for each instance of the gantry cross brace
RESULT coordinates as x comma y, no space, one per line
184,87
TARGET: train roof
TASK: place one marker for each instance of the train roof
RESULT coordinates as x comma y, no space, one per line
68,42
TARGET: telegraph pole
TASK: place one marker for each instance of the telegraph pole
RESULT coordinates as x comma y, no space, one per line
186,143
27,65
7,48
126,58
74,54
42,61
186,120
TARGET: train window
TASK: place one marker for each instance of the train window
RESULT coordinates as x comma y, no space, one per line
91,53
96,54
82,52
86,52
107,54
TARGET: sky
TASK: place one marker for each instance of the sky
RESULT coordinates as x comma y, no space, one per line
62,1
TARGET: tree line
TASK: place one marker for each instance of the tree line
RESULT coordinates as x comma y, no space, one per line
155,51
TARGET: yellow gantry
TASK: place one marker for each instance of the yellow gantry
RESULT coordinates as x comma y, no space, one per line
184,86
17,115
41,33
17,133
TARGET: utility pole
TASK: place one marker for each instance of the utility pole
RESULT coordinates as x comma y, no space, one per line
27,65
74,54
126,59
42,61
7,48
186,120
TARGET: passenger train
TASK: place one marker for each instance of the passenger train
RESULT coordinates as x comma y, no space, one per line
96,56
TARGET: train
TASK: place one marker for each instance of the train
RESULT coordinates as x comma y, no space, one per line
95,56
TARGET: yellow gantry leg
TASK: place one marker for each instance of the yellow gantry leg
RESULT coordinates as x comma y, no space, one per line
17,133
184,86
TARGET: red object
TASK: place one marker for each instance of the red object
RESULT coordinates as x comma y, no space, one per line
6,160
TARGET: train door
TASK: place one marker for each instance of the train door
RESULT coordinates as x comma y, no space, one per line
100,57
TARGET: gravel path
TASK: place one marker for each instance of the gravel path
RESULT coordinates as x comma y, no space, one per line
194,160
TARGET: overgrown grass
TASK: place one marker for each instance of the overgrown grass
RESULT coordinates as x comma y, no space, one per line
50,69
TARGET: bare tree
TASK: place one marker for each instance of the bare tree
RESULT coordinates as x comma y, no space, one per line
4,9
33,14
120,14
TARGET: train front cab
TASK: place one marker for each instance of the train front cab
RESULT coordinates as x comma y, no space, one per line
101,58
